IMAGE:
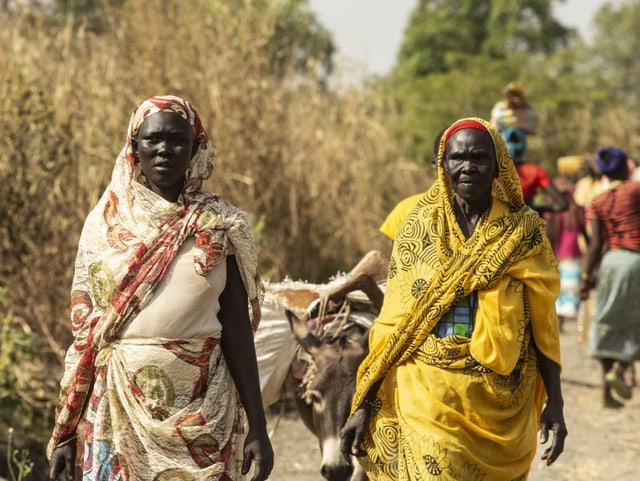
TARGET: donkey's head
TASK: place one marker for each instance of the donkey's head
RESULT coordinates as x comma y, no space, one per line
325,394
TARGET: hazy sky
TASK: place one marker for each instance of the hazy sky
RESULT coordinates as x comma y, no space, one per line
368,33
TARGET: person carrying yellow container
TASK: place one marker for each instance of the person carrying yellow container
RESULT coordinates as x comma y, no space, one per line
514,110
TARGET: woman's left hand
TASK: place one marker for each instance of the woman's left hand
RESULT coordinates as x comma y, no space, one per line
257,448
552,419
584,288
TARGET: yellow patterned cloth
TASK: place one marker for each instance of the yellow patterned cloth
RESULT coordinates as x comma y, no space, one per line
398,214
458,408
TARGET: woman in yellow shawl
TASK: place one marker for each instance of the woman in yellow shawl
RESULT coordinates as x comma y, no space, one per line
466,347
162,377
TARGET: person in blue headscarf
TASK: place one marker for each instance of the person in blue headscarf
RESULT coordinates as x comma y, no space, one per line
533,178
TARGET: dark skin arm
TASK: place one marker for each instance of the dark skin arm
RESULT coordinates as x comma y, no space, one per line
240,355
559,202
585,235
353,432
552,418
63,458
237,339
592,257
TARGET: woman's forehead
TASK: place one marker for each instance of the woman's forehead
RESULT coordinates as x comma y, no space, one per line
165,120
150,108
470,137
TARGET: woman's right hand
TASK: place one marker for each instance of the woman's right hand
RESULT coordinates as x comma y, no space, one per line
258,449
352,433
63,458
585,287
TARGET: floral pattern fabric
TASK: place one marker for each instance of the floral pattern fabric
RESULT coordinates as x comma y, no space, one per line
127,245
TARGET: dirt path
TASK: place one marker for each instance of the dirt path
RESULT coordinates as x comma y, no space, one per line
603,444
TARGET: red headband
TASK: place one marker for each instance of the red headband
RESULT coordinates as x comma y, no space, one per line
464,124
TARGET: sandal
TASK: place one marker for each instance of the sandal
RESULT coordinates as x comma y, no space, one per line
618,384
613,404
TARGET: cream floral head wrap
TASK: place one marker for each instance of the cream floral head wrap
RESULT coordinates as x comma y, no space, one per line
202,163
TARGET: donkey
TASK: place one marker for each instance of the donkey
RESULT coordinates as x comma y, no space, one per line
322,369
332,353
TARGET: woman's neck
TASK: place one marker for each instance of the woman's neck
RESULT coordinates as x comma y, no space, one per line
468,215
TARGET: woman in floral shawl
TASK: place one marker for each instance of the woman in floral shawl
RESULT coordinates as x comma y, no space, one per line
467,341
162,370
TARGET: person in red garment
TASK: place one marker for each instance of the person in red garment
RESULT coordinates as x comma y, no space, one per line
533,178
612,265
565,231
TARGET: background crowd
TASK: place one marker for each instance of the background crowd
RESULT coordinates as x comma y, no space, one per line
593,215
564,201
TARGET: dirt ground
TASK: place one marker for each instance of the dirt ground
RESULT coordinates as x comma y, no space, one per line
603,444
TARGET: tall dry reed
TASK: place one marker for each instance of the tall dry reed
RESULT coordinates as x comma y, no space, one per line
314,168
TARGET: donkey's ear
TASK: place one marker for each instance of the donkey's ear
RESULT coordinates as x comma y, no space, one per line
364,340
302,333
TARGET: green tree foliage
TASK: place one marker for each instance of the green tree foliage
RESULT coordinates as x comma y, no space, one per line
442,35
438,31
587,94
615,51
523,26
86,14
428,104
457,55
300,41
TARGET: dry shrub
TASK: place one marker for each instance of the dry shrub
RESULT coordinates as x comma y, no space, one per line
583,130
315,168
618,126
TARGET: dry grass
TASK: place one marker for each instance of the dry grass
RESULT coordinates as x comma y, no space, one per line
314,168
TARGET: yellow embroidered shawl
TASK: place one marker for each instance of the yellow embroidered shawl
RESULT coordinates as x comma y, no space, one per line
456,405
